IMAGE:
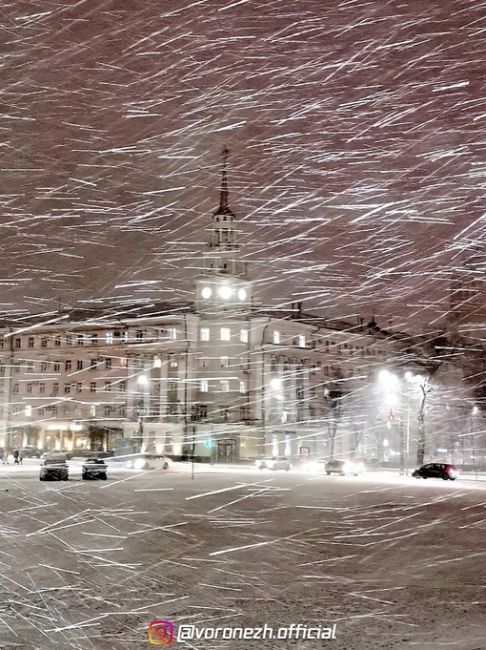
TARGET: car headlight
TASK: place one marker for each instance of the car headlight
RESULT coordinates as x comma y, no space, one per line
138,463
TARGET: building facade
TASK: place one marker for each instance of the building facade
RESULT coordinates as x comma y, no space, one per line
219,378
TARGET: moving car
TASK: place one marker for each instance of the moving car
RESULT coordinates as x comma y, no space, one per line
94,468
445,471
54,468
344,467
274,463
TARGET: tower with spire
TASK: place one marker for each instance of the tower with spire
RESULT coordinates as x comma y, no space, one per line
224,283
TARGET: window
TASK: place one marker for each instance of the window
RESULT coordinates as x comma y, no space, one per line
301,341
57,341
57,366
224,385
107,411
40,412
93,410
224,362
244,414
108,363
44,342
67,388
203,362
94,339
123,362
79,339
30,342
93,364
173,363
42,389
108,386
202,410
17,343
55,389
29,366
172,333
79,387
69,339
122,386
244,336
79,364
17,367
276,337
242,387
172,387
43,366
29,388
203,386
92,387
109,337
139,335
68,365
204,334
225,334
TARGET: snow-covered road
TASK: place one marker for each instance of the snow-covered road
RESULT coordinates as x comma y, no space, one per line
396,563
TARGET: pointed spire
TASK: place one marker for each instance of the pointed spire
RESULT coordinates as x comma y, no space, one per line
223,194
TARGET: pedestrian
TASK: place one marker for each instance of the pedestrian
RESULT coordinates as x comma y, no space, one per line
16,456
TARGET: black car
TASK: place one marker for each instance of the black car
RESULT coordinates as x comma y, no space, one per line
54,468
444,471
94,468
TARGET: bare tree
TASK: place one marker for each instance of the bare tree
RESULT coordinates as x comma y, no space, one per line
426,389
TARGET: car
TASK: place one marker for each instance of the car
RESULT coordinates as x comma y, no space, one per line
30,452
344,467
94,467
315,466
445,471
54,468
274,463
146,461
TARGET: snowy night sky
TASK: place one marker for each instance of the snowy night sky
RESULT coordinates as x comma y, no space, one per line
356,132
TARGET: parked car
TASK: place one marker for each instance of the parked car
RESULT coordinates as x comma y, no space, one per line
94,468
445,471
146,461
30,452
274,463
315,466
54,468
344,467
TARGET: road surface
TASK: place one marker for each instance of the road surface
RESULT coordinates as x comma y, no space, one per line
394,563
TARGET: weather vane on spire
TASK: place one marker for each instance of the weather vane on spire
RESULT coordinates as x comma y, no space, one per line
223,195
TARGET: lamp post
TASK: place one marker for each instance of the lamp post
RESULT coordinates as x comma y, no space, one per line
142,382
474,412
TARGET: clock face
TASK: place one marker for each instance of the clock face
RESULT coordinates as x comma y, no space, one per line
225,292
207,292
242,294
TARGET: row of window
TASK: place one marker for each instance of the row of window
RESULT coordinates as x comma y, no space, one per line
78,387
223,385
68,365
224,334
57,340
66,410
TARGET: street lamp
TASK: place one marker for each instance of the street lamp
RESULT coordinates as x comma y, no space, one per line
142,382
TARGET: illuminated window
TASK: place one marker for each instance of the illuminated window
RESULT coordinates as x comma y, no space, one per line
224,385
301,341
224,362
30,342
109,337
276,337
242,387
204,334
204,386
225,334
244,336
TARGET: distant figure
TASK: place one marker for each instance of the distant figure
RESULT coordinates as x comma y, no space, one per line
17,457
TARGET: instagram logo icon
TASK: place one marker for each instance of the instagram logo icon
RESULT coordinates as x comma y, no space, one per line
160,633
